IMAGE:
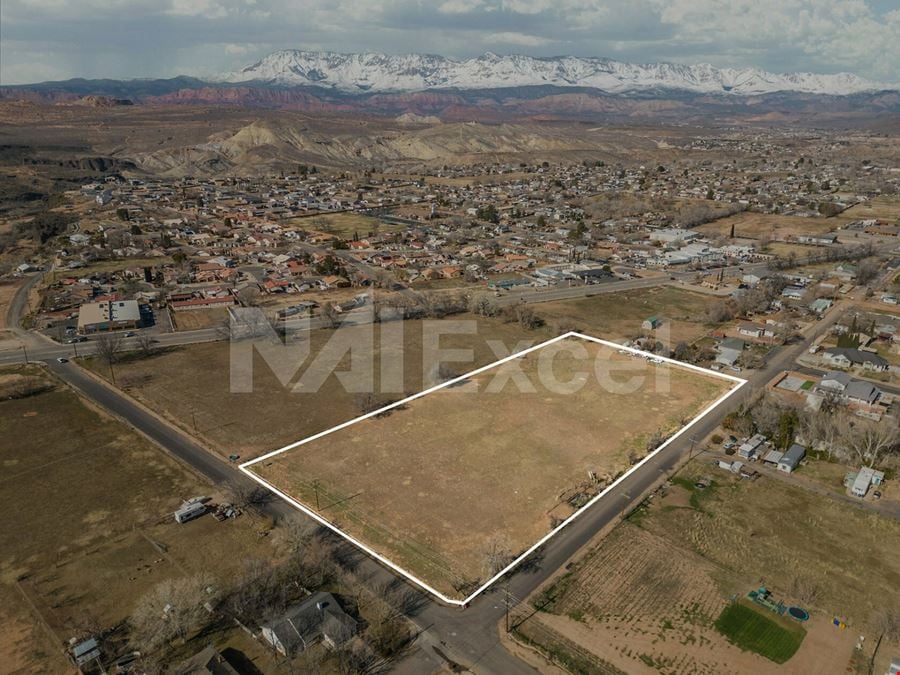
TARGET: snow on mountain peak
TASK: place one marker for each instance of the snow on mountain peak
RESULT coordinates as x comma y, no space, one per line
417,72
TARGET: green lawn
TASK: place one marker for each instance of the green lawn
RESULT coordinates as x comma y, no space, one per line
751,630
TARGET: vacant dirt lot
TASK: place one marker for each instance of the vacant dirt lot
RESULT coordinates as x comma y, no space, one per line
81,473
774,226
646,597
490,461
87,499
615,316
199,318
272,415
345,225
71,476
887,209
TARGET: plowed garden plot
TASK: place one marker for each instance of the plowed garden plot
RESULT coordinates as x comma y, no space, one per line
450,486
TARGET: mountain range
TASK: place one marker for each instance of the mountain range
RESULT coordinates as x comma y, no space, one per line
372,72
492,88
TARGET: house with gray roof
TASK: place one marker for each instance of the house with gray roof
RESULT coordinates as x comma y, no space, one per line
791,459
729,350
848,357
861,392
319,618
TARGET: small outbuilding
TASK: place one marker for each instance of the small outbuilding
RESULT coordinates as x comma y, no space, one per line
751,447
791,459
867,476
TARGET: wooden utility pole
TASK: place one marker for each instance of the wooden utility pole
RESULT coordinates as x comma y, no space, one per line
507,604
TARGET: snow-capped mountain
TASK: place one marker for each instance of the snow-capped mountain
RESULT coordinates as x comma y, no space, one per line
370,72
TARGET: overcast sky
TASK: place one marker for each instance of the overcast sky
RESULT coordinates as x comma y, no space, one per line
58,39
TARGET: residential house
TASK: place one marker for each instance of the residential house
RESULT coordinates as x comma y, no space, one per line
207,662
755,330
820,305
729,351
847,357
845,272
319,618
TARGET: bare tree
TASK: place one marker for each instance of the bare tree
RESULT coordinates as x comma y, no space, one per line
108,346
822,429
171,610
527,318
245,495
887,625
482,305
244,322
497,554
366,402
866,271
871,441
330,314
786,331
146,343
718,312
249,296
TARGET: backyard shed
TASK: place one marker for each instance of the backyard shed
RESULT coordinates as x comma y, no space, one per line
791,459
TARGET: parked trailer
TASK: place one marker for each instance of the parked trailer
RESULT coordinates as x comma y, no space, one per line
189,511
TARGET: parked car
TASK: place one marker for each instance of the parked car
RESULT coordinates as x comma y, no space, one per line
62,359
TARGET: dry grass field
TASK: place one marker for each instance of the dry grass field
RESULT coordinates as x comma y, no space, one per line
196,319
434,484
345,224
85,472
88,526
645,598
887,209
615,316
750,225
272,415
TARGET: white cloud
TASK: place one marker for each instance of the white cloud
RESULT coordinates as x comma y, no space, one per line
519,39
148,37
833,33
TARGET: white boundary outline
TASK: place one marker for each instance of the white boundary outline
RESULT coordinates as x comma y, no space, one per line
245,467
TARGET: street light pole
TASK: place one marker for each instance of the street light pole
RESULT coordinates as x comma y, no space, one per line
25,351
